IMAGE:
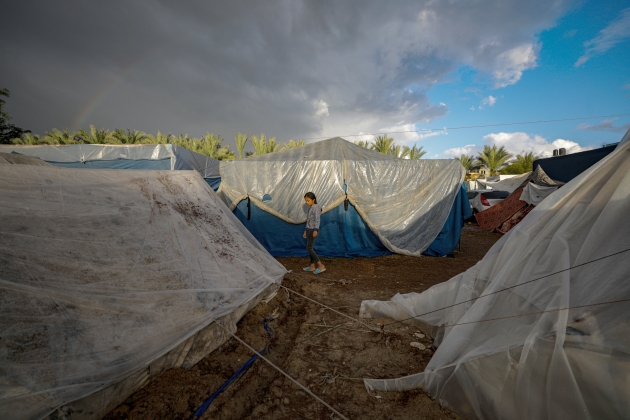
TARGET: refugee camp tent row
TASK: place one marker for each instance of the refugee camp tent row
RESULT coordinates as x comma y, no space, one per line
539,328
419,204
373,204
108,278
115,156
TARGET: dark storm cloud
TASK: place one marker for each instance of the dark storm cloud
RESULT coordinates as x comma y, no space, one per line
287,68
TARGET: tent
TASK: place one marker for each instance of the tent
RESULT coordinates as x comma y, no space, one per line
533,188
539,328
108,278
565,168
372,203
508,184
123,156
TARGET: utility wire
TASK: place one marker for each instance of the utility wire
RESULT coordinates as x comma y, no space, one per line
431,130
508,288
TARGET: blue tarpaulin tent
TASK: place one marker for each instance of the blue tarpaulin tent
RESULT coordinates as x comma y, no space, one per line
393,205
343,233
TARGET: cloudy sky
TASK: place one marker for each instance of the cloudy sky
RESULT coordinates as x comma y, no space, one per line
423,71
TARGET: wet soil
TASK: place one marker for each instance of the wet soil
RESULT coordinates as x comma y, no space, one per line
323,350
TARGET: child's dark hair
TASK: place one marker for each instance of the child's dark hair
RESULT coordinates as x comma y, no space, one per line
311,196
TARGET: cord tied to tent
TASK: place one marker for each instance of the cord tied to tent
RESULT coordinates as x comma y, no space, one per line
236,375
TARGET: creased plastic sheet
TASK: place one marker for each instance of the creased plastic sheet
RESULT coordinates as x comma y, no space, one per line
553,348
509,184
404,202
534,194
102,272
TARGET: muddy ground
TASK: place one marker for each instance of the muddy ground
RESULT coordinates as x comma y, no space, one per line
330,361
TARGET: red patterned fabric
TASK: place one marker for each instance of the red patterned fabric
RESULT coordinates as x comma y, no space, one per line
495,216
514,220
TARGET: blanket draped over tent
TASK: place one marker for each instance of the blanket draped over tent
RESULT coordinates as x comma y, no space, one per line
539,328
103,273
404,202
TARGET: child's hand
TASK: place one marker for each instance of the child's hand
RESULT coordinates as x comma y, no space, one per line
304,235
315,232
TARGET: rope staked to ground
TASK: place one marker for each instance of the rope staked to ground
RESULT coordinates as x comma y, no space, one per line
308,391
371,328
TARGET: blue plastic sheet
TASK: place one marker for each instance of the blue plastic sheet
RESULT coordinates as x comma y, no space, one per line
448,238
214,183
342,233
142,164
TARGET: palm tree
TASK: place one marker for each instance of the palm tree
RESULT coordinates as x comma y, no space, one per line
272,146
130,137
263,145
493,158
399,151
468,162
60,137
212,145
95,136
526,160
415,152
362,143
159,139
383,144
29,139
260,144
240,139
293,143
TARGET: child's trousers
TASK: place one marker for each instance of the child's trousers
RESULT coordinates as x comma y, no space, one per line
310,241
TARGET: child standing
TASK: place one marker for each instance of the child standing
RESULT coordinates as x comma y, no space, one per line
311,232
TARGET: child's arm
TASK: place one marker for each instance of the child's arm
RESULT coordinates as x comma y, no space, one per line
316,227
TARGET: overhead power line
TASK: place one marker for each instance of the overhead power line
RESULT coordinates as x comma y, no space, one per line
465,127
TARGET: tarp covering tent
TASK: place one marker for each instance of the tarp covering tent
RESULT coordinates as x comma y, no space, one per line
508,184
108,278
122,156
539,328
14,159
505,215
405,203
565,168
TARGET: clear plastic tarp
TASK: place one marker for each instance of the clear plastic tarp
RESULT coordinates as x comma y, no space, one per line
540,327
181,158
404,202
508,184
103,272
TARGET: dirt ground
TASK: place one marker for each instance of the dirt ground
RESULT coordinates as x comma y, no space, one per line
330,361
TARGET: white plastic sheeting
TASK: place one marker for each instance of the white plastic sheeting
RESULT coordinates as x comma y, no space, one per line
520,353
181,159
508,184
534,194
404,202
13,159
103,272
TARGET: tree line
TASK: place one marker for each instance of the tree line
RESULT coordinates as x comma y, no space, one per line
209,144
384,144
498,160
